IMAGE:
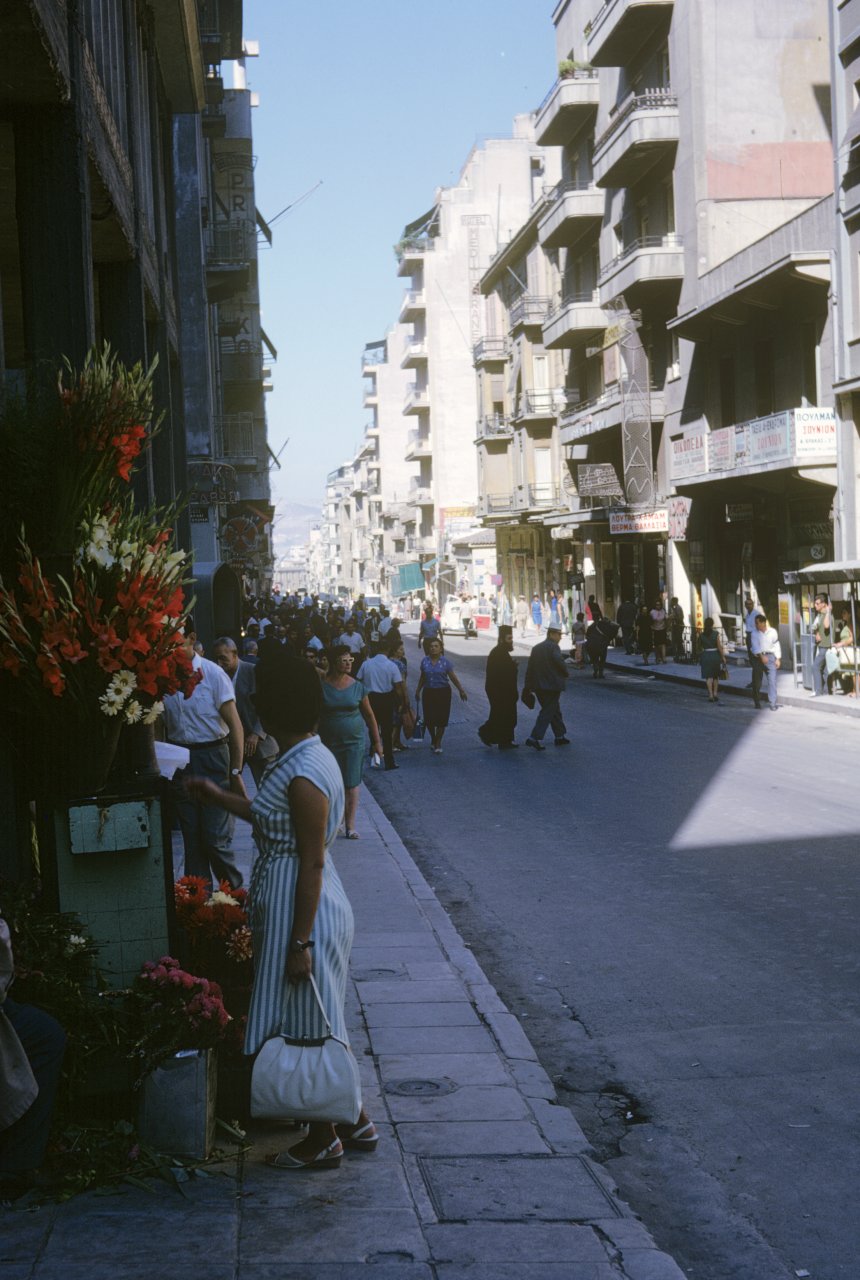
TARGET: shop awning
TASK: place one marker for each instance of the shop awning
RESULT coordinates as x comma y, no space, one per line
411,577
817,575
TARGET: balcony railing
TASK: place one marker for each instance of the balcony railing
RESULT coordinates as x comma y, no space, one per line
494,424
586,73
242,362
537,403
636,246
417,398
647,101
569,102
528,311
544,495
489,350
497,503
231,243
234,436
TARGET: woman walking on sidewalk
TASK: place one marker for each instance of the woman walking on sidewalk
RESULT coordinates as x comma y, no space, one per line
433,683
345,711
643,633
301,918
711,659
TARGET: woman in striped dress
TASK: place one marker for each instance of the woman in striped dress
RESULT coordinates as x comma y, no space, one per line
300,915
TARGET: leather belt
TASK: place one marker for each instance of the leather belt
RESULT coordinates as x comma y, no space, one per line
201,746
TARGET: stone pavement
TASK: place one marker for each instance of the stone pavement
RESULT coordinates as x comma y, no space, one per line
480,1174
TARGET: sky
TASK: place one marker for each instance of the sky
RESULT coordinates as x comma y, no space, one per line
379,103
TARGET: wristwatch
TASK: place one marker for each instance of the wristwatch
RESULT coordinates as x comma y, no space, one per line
235,773
298,945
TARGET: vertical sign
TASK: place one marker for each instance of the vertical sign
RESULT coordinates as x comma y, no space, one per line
635,415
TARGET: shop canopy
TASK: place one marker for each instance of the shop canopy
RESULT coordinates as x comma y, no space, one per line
815,575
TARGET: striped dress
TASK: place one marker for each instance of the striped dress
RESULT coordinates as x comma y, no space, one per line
276,1004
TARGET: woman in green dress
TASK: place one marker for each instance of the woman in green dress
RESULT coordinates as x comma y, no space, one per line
711,658
346,710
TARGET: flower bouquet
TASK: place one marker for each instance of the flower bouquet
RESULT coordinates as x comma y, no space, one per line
172,1011
96,646
219,939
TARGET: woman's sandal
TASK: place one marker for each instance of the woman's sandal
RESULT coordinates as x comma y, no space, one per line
358,1137
329,1158
353,835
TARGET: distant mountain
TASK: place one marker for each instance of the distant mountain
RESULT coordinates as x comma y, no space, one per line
292,521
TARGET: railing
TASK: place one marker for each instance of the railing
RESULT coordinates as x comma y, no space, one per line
416,397
570,299
528,310
572,184
574,406
495,502
414,244
577,75
416,351
671,241
544,495
494,424
234,436
413,298
231,242
646,101
374,356
537,403
242,362
490,349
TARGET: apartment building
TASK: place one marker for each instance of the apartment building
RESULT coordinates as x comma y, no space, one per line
443,254
845,73
684,240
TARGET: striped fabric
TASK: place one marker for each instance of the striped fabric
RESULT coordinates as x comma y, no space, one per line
277,1005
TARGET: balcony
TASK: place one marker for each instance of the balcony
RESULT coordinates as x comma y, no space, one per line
576,207
575,319
417,446
231,243
417,399
497,504
582,418
528,312
490,351
652,263
234,439
494,426
242,362
374,354
420,495
414,356
570,105
411,253
643,131
413,306
543,495
797,438
620,28
536,405
371,396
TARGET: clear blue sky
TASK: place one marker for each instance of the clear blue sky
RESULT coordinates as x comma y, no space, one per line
382,102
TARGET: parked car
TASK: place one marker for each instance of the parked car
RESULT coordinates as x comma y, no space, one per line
450,617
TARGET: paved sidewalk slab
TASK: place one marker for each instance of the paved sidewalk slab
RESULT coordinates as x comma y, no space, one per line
480,1174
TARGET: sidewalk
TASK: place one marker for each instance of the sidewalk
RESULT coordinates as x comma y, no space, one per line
479,1175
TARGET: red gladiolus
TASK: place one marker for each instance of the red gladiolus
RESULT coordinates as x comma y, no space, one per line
52,677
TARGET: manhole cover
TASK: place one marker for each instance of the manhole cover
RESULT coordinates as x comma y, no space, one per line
420,1088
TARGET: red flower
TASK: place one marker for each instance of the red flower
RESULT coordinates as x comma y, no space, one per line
52,677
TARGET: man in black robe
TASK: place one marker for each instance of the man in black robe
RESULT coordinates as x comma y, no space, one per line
501,687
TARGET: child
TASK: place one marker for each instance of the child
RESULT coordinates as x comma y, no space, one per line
578,637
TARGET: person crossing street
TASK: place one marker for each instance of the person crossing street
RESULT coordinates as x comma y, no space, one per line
546,677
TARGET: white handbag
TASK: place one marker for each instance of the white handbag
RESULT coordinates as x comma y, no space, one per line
306,1080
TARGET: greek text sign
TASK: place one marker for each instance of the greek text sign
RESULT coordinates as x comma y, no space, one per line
626,522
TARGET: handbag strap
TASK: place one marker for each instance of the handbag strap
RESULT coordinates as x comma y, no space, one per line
312,980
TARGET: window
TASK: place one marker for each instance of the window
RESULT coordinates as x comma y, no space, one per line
727,391
669,206
665,68
674,370
763,372
642,219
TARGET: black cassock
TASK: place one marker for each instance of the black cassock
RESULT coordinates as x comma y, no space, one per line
501,686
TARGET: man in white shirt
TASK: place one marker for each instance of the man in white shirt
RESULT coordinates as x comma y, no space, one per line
384,622
352,638
207,724
383,680
766,654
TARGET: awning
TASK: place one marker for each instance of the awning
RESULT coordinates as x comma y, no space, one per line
410,578
428,564
817,575
427,224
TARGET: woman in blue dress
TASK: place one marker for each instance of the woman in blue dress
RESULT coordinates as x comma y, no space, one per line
435,690
711,658
301,919
345,711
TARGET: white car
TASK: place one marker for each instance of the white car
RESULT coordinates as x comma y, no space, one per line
450,617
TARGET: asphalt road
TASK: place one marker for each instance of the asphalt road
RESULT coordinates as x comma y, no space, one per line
670,905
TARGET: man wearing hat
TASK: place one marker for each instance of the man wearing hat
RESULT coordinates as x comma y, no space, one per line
501,687
545,678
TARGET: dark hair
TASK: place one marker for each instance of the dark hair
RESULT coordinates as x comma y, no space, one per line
823,597
336,651
708,624
430,640
288,693
393,644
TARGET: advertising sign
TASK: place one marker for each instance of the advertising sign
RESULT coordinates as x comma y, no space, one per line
689,456
767,439
598,479
679,517
721,449
627,522
814,433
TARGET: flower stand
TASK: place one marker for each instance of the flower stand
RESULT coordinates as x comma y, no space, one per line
177,1107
